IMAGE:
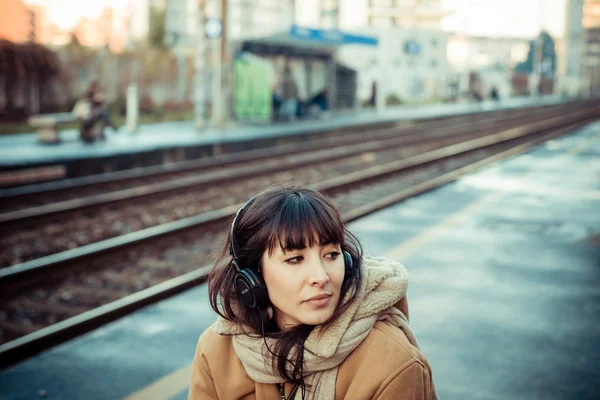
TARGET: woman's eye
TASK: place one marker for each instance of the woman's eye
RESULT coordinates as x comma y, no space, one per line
294,260
333,255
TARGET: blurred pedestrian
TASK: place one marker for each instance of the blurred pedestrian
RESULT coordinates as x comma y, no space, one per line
92,114
302,314
319,100
276,104
289,95
373,98
494,95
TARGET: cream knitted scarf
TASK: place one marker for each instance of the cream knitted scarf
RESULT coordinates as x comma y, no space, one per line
384,283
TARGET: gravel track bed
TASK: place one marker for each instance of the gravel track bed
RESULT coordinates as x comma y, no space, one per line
112,277
83,227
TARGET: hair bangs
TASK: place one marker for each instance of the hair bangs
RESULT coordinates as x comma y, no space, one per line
302,224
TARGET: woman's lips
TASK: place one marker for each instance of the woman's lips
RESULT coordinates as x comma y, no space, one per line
320,301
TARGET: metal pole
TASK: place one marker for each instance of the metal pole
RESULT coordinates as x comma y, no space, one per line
217,81
382,71
226,66
536,75
132,107
199,67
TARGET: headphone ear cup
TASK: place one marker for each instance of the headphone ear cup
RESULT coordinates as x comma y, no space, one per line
348,262
251,289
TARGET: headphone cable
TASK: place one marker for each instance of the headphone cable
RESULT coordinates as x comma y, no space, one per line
262,326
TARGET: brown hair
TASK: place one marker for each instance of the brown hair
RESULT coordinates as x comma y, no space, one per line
294,218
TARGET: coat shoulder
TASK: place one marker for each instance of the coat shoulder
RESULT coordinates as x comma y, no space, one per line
385,352
213,346
218,372
386,337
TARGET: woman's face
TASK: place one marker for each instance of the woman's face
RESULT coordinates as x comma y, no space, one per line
294,278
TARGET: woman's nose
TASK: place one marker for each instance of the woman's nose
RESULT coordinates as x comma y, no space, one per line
318,276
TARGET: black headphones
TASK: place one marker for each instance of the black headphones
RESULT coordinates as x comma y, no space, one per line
249,285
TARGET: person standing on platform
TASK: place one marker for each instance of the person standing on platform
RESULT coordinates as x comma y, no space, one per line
303,314
289,95
494,95
373,98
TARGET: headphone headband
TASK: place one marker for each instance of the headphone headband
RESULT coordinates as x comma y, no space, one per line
232,242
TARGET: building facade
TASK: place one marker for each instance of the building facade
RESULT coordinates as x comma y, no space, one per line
591,48
591,13
412,54
17,22
492,59
350,14
246,19
412,63
250,19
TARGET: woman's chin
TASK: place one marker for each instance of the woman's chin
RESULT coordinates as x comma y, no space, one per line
316,317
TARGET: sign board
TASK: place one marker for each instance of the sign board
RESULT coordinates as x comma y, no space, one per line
330,36
412,47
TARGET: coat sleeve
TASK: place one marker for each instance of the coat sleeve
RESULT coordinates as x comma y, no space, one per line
202,386
412,382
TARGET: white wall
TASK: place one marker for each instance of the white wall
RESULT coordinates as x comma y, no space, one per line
411,78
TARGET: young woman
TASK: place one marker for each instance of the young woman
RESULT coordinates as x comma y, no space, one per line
302,314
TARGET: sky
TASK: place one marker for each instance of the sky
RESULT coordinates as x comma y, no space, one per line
66,13
516,18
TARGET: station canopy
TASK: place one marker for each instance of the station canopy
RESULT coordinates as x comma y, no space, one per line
306,42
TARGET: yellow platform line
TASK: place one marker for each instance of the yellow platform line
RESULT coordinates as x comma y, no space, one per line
172,384
166,387
405,248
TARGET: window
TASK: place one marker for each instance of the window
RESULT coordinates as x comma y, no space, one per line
329,4
380,22
381,3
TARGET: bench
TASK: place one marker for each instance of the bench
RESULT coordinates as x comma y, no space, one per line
47,125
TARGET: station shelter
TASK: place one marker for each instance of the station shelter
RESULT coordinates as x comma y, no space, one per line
309,53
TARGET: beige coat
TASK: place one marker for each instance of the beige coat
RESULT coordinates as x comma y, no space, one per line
384,366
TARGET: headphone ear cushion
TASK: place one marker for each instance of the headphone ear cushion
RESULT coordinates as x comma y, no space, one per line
251,289
348,262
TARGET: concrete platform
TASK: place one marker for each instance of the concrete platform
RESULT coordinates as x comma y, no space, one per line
503,294
176,141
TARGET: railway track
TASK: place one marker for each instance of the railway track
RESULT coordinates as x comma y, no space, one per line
49,229
55,298
52,192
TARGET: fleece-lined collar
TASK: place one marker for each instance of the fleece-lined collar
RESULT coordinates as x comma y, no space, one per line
384,283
